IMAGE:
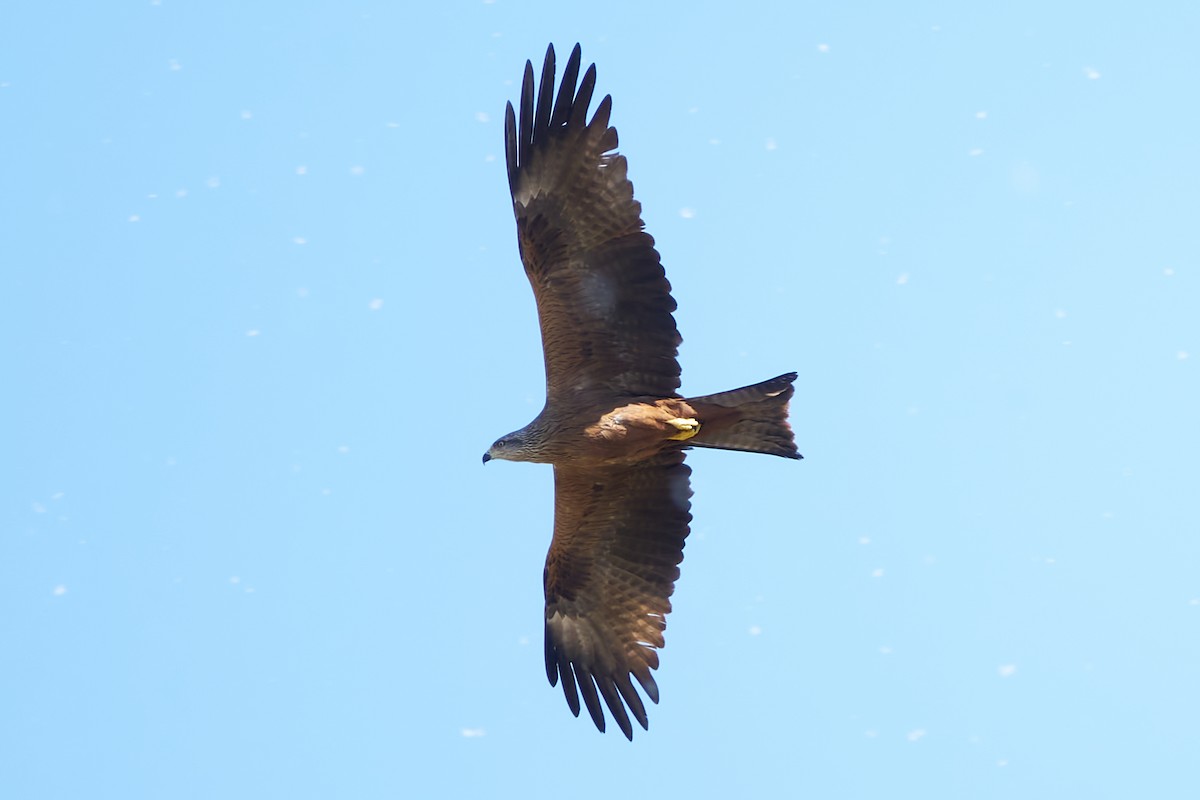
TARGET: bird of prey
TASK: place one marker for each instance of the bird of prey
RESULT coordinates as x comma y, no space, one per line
613,426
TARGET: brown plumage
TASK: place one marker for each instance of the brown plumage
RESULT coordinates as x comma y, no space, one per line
614,426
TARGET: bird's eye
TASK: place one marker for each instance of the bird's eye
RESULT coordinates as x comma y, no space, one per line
501,443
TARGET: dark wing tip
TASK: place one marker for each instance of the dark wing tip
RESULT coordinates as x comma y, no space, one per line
608,690
566,91
510,145
591,699
525,130
648,684
603,114
583,98
541,112
551,661
545,94
578,680
630,695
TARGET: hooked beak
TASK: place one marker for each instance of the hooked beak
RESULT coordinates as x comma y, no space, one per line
487,457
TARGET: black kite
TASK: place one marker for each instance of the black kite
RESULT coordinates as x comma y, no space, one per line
614,426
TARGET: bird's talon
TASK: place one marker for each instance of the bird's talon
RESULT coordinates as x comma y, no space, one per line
687,428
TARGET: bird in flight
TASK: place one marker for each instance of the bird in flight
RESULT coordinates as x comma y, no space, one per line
614,425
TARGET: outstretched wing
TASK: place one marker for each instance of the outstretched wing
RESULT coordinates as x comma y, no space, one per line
612,566
603,300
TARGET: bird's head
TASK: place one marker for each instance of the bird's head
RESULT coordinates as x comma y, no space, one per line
513,447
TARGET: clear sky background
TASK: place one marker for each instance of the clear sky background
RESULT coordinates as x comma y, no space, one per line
262,314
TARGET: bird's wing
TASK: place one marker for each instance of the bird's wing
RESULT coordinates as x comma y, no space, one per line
610,572
602,297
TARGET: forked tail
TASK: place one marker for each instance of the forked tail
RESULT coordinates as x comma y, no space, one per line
753,418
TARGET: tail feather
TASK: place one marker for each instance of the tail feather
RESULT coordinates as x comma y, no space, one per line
753,418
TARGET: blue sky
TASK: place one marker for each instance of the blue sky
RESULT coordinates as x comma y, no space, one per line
263,314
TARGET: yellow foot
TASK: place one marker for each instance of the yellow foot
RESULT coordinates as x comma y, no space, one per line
687,428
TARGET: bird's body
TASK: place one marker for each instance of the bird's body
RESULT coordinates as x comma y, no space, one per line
604,435
614,426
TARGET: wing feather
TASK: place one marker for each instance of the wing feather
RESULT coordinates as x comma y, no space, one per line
618,541
603,300
510,145
541,120
583,98
562,106
587,686
526,130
